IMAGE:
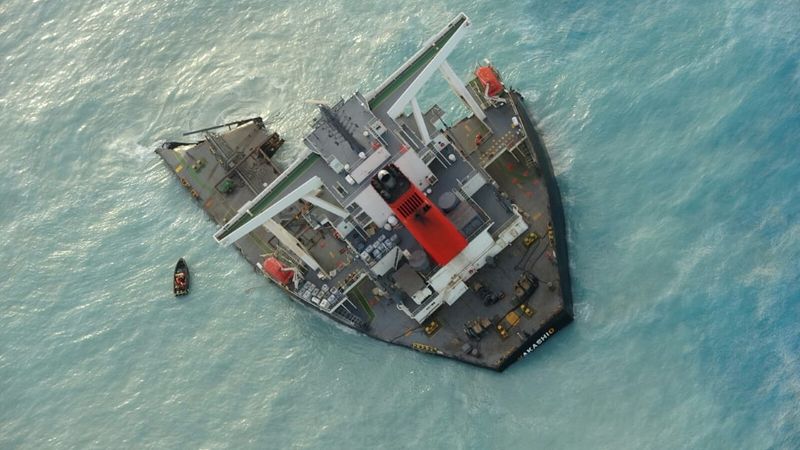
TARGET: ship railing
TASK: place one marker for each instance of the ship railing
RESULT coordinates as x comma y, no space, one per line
473,181
521,128
556,206
475,88
487,221
425,303
504,226
466,198
354,320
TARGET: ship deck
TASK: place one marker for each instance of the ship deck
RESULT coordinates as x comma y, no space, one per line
389,324
507,155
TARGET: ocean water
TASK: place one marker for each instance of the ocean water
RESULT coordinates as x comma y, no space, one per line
674,127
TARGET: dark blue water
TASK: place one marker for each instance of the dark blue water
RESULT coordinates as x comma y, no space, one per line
674,127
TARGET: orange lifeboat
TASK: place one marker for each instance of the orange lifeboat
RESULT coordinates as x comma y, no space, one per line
488,77
277,271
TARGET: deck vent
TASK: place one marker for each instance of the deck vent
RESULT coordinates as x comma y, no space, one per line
410,205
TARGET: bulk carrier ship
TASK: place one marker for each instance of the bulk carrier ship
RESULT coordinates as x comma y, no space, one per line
446,239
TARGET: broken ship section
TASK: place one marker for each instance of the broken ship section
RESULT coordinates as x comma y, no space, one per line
449,240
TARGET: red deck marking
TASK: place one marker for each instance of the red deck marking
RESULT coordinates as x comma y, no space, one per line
429,226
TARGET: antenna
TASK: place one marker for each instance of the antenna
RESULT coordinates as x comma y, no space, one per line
229,124
312,101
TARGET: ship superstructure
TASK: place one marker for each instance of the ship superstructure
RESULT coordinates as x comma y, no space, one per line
446,239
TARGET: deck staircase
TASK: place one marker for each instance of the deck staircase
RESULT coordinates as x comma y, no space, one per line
427,155
530,160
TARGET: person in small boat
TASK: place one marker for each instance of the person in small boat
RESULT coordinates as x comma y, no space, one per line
180,280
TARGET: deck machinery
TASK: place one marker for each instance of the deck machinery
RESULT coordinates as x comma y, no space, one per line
449,240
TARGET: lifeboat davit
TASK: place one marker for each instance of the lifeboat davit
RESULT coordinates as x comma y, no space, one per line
488,77
277,271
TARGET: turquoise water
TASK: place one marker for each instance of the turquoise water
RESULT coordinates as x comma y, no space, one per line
674,127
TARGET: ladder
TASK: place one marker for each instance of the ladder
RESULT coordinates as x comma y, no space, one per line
530,160
427,156
360,217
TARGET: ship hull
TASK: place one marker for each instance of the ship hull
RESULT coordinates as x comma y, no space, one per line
533,338
448,240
